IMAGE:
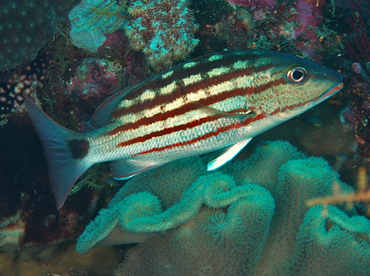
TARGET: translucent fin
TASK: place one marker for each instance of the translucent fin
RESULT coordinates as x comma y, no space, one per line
220,158
103,114
215,112
60,144
126,168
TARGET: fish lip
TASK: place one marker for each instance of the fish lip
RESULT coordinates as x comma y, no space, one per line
331,91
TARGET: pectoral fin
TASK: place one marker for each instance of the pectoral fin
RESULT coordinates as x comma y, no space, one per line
127,168
215,112
219,158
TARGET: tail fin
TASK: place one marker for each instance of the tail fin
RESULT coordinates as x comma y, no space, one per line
65,152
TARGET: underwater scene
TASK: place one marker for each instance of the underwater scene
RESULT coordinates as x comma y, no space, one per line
184,137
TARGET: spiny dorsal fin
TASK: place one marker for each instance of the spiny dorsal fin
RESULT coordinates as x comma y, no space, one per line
103,114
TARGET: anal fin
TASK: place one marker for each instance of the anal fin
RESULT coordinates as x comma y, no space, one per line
127,168
219,158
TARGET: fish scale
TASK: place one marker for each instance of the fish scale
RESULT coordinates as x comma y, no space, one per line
214,102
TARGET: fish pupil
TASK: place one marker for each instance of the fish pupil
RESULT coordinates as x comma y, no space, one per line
297,75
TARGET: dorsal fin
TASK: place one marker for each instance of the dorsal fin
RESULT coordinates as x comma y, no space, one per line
103,114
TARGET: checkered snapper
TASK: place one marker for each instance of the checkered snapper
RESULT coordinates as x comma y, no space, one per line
212,103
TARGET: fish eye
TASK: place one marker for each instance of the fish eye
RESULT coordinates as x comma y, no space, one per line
297,75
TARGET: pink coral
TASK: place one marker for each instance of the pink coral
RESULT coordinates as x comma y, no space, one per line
309,15
94,78
357,68
358,42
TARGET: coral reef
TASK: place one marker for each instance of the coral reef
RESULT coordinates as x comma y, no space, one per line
142,213
26,27
362,194
28,218
24,80
92,19
306,12
289,26
70,82
179,178
65,262
358,112
209,12
221,211
309,15
94,78
78,83
254,3
330,244
358,42
205,247
213,243
163,30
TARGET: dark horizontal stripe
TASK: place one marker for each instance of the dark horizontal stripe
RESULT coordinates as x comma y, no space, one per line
206,136
167,131
193,106
203,66
172,129
183,90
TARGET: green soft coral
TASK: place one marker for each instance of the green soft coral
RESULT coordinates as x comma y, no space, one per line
296,182
248,218
142,212
330,243
219,241
215,243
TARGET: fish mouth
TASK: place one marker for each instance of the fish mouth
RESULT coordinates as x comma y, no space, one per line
331,91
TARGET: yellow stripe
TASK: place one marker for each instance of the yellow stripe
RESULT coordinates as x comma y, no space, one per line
189,64
236,83
192,79
230,104
215,57
218,71
254,80
168,74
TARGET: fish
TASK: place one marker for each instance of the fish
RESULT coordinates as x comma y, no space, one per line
213,104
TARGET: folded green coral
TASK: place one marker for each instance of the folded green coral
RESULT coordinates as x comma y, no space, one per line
142,212
330,243
248,218
215,243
